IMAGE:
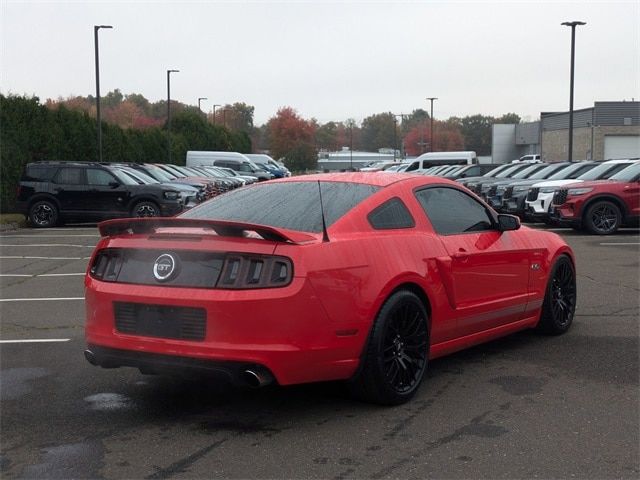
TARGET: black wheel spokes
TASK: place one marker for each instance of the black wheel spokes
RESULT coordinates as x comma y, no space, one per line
604,218
405,348
563,298
43,215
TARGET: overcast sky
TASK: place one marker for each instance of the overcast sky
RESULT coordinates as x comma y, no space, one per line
328,60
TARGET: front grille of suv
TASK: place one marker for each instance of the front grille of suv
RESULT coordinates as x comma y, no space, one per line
560,197
508,193
532,196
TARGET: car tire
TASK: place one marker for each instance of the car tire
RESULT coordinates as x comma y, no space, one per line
559,304
43,214
396,355
145,209
602,218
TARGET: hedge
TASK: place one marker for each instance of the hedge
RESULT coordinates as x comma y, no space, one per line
30,132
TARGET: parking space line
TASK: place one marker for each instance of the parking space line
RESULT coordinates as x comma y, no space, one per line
44,258
37,340
40,274
51,299
623,243
48,245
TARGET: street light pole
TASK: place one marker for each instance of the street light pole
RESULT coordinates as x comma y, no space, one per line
214,112
395,136
351,148
431,99
199,99
573,26
169,72
99,118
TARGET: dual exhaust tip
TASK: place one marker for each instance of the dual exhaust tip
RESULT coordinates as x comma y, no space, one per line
254,376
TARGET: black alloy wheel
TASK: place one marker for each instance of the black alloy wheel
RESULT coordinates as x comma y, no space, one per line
145,209
405,343
43,214
559,304
603,218
396,356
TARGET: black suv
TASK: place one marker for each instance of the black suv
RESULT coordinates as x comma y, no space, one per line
53,192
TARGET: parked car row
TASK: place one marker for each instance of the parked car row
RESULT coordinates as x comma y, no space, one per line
554,193
50,193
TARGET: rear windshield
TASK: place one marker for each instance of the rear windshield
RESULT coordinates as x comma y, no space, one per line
290,205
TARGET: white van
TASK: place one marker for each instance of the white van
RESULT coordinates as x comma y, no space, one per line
233,160
432,159
199,158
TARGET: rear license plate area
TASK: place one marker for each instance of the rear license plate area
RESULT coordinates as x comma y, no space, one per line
160,321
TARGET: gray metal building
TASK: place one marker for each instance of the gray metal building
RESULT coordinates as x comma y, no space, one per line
605,131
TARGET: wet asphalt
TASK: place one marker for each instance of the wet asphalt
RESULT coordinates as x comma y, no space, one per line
526,406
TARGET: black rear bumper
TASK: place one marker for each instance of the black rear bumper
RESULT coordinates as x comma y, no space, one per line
159,364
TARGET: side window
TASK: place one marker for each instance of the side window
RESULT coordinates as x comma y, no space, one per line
39,173
98,177
69,176
451,211
391,214
413,166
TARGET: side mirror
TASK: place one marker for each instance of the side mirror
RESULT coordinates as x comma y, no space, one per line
508,222
114,184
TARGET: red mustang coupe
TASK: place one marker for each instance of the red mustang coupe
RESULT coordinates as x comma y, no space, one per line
356,276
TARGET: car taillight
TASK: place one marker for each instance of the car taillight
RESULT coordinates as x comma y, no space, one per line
106,265
255,271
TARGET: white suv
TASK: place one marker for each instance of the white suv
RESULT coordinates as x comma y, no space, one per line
540,194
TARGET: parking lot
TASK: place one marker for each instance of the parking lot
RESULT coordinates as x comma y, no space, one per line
521,407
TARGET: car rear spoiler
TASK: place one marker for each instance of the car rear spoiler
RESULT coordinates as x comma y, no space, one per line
225,228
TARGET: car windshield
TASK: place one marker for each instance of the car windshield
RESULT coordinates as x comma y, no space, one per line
547,171
124,178
172,171
495,171
627,174
565,173
527,172
158,173
290,205
141,175
506,173
604,170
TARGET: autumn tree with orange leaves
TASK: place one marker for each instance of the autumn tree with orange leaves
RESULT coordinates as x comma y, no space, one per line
292,138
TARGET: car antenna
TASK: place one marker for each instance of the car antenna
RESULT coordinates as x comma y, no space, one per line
325,236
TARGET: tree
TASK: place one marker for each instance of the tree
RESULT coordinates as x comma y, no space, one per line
288,132
327,136
418,117
417,140
476,130
301,157
379,131
508,118
112,99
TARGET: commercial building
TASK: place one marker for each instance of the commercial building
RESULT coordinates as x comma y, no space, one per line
605,131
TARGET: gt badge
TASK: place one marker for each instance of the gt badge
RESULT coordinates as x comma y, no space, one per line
164,267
